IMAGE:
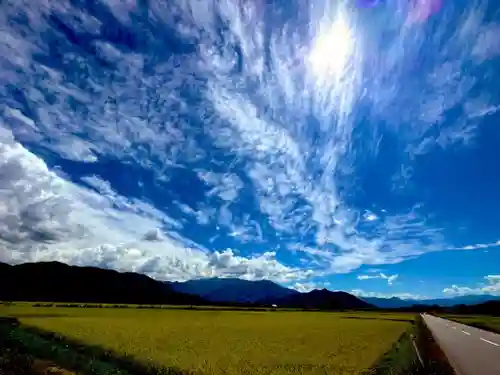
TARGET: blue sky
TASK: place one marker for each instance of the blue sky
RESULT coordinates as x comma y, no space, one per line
312,143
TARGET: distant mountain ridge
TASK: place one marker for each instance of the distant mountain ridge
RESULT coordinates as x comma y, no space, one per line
389,303
394,302
59,282
323,299
232,290
264,292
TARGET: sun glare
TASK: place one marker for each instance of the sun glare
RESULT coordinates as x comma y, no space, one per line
332,48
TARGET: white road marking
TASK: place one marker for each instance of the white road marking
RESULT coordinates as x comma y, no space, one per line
490,342
467,333
454,327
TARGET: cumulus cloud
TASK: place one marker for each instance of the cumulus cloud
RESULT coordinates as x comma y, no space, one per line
153,235
362,293
304,287
44,217
390,278
33,208
260,267
260,114
490,286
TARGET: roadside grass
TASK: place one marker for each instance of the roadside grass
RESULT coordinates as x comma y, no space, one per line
28,345
488,323
415,353
435,361
211,342
13,359
401,359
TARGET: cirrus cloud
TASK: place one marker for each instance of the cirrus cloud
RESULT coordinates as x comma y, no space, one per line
44,217
234,119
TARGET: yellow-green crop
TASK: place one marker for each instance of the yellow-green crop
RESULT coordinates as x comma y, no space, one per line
231,342
490,323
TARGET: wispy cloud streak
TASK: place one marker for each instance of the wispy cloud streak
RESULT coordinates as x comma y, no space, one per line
390,278
260,110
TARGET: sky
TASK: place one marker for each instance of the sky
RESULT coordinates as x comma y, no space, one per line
318,144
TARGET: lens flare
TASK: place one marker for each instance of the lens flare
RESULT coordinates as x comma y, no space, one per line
368,3
418,10
421,10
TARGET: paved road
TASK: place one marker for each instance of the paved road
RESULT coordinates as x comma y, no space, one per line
471,351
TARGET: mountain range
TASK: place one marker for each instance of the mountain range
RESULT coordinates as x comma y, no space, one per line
231,290
59,282
394,302
264,292
321,299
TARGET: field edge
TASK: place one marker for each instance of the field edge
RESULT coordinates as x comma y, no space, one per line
30,342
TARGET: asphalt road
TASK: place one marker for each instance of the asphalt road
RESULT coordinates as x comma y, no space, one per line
471,351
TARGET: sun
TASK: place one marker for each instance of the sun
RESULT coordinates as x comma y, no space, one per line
332,48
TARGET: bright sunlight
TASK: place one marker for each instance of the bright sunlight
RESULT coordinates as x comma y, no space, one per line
332,48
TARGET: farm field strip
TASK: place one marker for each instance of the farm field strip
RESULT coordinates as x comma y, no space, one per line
490,323
229,342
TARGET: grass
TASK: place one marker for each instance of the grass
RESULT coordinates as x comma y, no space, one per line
67,357
23,349
13,360
228,342
400,359
489,323
435,361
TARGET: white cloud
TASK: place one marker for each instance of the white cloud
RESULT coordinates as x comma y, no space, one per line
478,246
368,277
390,279
255,102
153,235
491,286
487,44
304,287
44,217
362,293
225,186
260,267
369,216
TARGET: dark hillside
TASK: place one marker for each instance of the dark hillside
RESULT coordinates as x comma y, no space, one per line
323,300
58,282
231,290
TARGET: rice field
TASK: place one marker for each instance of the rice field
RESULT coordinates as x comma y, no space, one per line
490,323
229,342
